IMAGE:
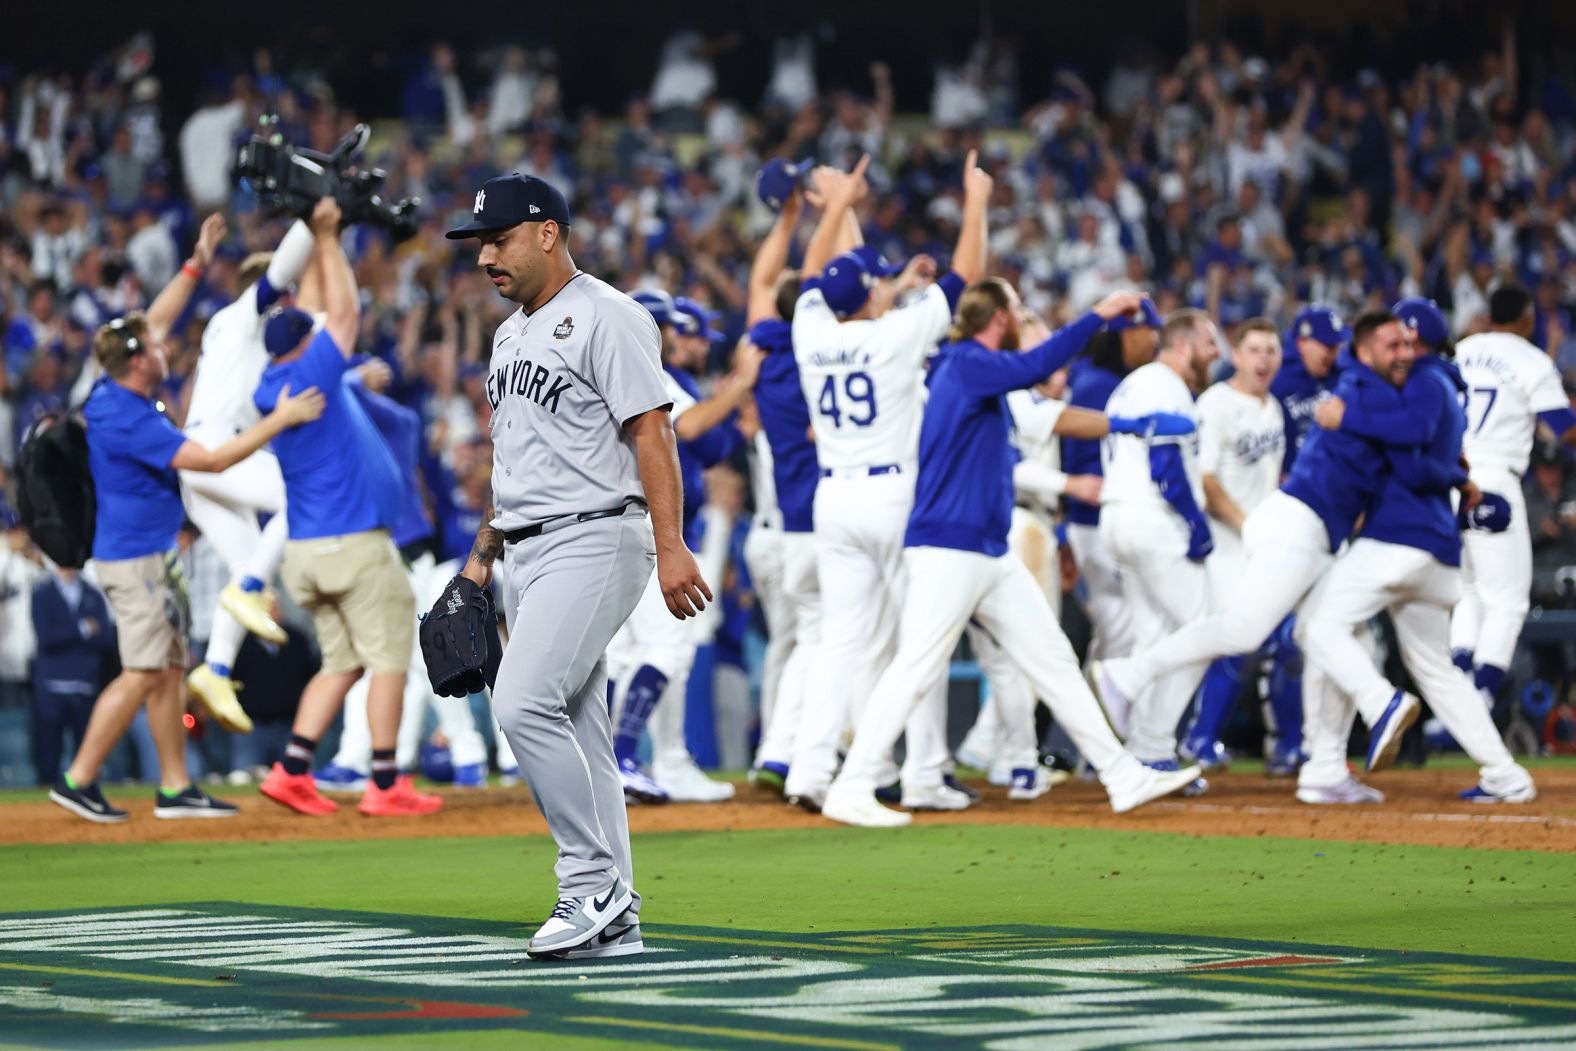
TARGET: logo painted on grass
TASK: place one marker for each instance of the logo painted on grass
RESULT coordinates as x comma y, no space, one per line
220,971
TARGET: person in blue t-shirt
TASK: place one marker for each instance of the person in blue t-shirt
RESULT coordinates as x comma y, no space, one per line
957,564
133,453
343,495
1406,560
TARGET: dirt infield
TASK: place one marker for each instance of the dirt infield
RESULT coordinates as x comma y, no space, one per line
1421,809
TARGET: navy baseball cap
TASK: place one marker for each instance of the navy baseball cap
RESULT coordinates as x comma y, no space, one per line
692,319
876,263
1320,323
1422,316
1148,315
511,199
658,302
846,284
284,329
775,182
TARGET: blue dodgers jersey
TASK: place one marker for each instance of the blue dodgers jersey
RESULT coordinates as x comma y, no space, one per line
1299,393
1088,387
786,420
339,475
130,446
1337,473
1418,512
710,448
400,429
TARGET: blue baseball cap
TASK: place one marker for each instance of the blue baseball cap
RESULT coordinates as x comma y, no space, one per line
285,328
1422,316
1319,322
508,200
775,182
1148,315
658,302
692,319
876,263
846,284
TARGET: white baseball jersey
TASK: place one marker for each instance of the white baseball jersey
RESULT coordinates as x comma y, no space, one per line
562,382
1153,388
1242,441
763,487
1038,476
1510,381
233,359
864,380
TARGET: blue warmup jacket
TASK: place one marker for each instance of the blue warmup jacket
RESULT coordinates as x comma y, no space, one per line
1413,505
708,450
1088,387
400,428
1337,472
786,420
963,495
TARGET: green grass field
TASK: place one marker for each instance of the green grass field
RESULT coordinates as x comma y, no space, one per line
1217,930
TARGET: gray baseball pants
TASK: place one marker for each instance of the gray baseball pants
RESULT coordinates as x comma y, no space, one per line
574,587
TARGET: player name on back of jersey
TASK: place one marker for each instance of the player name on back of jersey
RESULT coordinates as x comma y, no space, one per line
833,358
520,378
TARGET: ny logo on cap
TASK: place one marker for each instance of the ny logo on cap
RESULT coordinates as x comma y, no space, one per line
481,199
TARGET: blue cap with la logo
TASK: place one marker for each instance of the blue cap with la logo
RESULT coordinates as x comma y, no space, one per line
510,199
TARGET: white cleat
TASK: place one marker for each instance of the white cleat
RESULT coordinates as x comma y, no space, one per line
685,783
1149,785
251,609
935,797
1342,793
861,809
1032,782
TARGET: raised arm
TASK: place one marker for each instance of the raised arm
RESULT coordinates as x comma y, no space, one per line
770,259
968,259
287,265
657,456
172,299
839,191
340,305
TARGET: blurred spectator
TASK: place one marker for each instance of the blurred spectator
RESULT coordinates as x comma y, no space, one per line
1551,516
686,77
21,567
75,634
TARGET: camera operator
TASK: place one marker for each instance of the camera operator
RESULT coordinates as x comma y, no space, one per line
134,452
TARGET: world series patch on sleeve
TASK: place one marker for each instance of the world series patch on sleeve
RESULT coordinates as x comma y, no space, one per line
459,639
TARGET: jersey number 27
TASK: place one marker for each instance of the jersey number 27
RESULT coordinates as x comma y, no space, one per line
858,400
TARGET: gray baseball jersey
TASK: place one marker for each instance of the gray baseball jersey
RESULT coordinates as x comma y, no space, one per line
562,382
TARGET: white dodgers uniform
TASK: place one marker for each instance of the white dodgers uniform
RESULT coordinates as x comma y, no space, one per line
1242,442
1148,539
562,383
225,506
765,556
863,382
1509,381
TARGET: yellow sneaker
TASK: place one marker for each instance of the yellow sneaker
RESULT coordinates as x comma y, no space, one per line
251,609
217,694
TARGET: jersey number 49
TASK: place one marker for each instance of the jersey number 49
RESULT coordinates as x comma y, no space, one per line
857,400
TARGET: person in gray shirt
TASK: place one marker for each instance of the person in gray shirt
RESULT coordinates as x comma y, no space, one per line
586,499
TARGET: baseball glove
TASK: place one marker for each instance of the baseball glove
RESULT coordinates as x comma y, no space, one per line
459,639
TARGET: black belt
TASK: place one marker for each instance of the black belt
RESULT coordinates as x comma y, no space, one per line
514,536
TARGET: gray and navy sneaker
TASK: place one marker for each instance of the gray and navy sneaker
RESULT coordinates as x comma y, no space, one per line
191,801
619,938
576,921
87,802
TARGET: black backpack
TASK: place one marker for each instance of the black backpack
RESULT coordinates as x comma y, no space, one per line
55,494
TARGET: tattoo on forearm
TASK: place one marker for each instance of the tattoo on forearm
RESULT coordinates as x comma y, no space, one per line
489,541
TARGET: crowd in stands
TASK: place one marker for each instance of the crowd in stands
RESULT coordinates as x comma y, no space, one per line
1240,183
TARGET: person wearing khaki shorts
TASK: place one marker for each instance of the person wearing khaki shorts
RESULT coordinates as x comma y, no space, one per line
343,493
134,452
359,598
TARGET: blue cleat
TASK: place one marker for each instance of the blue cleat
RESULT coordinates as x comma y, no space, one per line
770,776
1384,741
471,775
1209,755
336,778
952,782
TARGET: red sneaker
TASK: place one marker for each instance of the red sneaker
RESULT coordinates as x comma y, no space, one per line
296,791
400,800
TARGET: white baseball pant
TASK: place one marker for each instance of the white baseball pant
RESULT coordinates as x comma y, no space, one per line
224,507
1108,611
1496,582
945,589
1166,591
800,593
1288,551
1418,592
860,520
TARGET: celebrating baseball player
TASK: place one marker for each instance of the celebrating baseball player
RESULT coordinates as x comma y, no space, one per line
582,451
1511,386
225,506
1406,560
957,564
861,352
1292,536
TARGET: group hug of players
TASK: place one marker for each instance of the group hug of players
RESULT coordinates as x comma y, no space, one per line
915,437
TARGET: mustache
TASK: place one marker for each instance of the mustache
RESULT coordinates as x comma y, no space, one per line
496,271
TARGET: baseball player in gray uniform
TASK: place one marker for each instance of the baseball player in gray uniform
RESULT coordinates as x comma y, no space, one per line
586,499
